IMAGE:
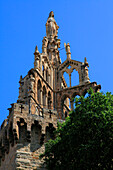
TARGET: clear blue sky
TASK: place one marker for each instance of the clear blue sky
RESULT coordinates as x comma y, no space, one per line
86,24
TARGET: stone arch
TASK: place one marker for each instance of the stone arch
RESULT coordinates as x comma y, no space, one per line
85,92
75,77
69,65
75,94
22,131
49,132
97,88
44,95
35,136
39,86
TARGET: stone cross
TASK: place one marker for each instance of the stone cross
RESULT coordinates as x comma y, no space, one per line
50,112
21,107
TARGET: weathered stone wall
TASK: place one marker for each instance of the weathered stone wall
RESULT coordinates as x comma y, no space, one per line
9,162
21,157
26,159
23,136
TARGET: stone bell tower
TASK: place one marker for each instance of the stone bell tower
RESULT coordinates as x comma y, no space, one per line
43,101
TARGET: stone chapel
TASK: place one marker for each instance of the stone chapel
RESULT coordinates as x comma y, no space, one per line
44,99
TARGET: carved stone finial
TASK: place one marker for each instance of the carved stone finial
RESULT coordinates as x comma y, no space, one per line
51,14
37,57
20,77
85,62
67,47
36,50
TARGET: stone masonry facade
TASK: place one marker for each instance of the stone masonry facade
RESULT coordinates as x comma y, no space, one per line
43,101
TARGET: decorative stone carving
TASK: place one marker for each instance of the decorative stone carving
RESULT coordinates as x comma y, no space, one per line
44,45
86,79
68,53
51,26
37,57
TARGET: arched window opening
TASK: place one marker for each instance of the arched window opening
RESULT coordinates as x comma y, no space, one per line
49,100
50,132
74,78
39,91
44,96
65,106
86,94
66,77
35,136
22,131
75,95
69,67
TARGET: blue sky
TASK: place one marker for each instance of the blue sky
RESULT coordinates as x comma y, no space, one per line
86,24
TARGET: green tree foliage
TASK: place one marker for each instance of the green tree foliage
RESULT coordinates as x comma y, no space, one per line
85,140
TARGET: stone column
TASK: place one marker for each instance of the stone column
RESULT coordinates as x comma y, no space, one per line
86,75
44,74
68,53
37,56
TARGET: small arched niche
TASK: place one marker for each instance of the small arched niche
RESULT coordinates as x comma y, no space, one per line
74,78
